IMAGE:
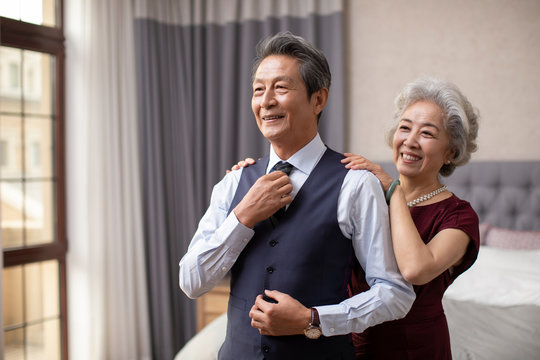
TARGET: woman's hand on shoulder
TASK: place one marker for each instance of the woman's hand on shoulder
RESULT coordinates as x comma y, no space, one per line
242,164
358,162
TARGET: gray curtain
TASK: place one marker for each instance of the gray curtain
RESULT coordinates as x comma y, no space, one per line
195,121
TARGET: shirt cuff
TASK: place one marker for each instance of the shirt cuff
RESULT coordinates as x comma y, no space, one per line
347,317
238,233
333,319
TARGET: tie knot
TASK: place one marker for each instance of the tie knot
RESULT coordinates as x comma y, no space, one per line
283,166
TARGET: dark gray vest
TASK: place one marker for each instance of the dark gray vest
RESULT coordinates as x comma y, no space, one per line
305,256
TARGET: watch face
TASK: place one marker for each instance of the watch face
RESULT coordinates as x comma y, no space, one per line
313,332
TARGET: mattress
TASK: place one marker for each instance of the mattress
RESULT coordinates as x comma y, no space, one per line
493,309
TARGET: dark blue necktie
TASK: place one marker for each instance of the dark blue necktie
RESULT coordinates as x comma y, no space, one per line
283,166
286,168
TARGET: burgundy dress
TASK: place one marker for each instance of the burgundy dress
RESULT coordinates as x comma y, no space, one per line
423,333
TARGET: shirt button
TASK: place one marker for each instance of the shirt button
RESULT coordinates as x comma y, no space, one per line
332,330
224,268
245,241
269,269
273,243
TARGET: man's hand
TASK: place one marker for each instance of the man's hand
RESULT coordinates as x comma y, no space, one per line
286,317
269,193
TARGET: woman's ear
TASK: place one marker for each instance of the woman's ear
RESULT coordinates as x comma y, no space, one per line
451,155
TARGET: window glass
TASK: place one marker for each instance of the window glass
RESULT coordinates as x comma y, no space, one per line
12,285
41,291
12,212
39,140
14,344
27,183
10,79
39,226
40,12
37,89
42,340
31,311
11,136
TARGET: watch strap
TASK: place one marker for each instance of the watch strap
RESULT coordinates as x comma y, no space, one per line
315,321
313,331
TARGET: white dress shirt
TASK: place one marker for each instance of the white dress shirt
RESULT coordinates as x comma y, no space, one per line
362,214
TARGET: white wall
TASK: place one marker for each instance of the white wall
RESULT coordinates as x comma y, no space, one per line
489,48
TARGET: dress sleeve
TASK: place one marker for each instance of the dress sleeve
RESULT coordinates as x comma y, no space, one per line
464,218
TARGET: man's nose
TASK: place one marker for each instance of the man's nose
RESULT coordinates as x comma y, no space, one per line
268,99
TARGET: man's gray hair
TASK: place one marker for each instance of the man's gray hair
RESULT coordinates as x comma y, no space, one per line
459,117
314,68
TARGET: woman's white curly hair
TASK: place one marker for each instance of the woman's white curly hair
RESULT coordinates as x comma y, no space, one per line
459,117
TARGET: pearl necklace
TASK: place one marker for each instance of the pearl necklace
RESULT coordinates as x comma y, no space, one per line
426,197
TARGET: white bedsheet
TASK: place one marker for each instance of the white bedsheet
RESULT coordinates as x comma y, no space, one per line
500,277
493,309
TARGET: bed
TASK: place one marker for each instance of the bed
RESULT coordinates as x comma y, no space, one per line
493,309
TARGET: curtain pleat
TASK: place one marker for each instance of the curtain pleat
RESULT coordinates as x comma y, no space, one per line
107,288
195,121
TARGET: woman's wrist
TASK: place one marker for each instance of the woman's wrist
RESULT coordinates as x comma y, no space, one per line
391,190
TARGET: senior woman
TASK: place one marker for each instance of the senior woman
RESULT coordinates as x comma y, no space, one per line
434,233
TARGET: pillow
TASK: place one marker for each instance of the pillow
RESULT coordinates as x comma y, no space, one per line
513,239
206,344
484,228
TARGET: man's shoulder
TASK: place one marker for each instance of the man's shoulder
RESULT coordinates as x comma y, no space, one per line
229,181
362,180
362,175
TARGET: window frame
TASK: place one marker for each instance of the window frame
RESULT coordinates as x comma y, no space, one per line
45,39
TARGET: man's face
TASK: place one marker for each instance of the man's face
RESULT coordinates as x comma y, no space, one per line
284,114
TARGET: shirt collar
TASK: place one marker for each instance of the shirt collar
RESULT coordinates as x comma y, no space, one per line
304,159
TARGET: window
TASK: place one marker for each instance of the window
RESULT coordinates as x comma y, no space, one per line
14,72
4,155
32,180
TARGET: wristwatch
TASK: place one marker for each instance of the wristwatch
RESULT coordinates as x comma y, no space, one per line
313,330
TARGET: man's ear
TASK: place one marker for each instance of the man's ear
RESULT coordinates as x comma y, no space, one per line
319,100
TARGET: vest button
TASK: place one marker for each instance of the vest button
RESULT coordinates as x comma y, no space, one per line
269,269
273,243
266,349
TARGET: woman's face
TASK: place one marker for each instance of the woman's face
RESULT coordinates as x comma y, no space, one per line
421,144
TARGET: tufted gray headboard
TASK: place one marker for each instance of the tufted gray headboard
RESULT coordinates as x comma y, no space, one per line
504,194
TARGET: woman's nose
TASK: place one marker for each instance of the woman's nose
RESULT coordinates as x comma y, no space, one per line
410,140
